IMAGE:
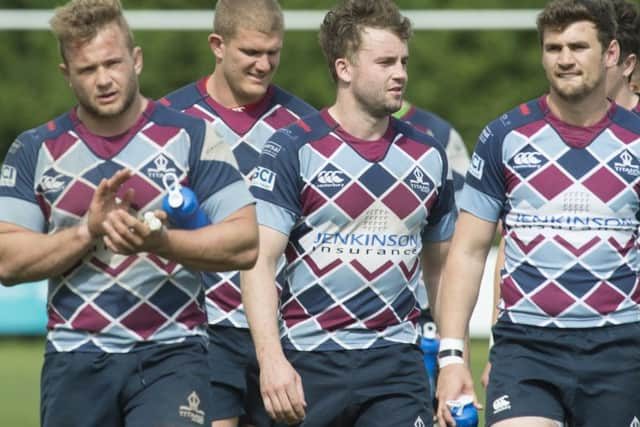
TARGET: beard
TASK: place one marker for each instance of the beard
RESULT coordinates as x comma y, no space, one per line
576,93
95,110
378,106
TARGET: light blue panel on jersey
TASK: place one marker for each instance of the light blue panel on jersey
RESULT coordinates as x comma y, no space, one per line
606,145
520,313
80,155
349,336
275,217
112,340
67,340
226,133
311,161
546,141
622,202
526,193
260,135
23,309
392,276
343,274
350,161
309,329
398,162
479,204
79,283
22,213
227,201
140,153
329,213
551,255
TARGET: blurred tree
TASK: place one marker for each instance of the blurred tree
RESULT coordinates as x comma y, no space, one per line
468,77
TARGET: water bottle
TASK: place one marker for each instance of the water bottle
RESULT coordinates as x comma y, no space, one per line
181,205
463,411
430,345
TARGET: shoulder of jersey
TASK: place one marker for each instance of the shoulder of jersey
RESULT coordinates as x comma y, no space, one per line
306,129
627,119
182,98
167,116
50,130
292,102
411,132
519,116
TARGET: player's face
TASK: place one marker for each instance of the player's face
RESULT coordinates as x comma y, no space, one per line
378,72
249,60
574,61
103,73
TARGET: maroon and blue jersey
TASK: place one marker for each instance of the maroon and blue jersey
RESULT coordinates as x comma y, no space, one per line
440,129
356,214
245,130
568,197
110,302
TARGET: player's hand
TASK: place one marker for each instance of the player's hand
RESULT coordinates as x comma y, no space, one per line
126,235
484,379
453,381
281,389
105,200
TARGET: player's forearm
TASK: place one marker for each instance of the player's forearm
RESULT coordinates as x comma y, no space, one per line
260,299
27,256
228,245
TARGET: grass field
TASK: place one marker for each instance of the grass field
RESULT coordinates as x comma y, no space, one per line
21,360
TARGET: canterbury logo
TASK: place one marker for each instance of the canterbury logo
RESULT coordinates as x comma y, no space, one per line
527,159
330,178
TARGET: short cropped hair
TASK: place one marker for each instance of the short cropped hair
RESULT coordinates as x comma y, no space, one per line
79,21
628,34
264,16
341,30
559,14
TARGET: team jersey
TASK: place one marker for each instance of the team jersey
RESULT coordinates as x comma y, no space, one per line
457,154
440,129
246,130
568,199
356,214
109,302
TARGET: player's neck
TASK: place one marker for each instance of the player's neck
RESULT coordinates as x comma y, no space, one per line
220,91
115,125
626,98
356,121
584,112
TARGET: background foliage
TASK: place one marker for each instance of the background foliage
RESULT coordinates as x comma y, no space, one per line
468,77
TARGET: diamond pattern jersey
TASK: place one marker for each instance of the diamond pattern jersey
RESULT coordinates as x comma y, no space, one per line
356,213
246,130
109,302
568,198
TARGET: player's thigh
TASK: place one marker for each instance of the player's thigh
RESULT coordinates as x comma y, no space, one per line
230,351
173,390
81,389
609,371
327,389
255,412
526,381
528,422
392,388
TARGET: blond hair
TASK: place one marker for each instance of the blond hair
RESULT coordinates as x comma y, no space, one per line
264,16
79,21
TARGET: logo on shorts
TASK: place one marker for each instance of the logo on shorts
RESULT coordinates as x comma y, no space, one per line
419,422
635,422
501,404
193,411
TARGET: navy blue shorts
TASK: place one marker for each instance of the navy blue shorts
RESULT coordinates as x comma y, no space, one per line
234,375
584,377
378,387
159,386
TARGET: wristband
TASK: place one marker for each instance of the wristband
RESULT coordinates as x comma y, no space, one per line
451,352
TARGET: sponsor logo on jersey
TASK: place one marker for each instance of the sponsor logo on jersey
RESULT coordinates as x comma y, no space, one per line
477,166
161,168
418,183
504,119
501,404
271,149
52,184
8,176
264,178
192,411
485,135
15,147
527,159
330,178
575,222
627,164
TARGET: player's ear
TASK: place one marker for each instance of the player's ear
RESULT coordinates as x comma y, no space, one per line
138,61
630,63
343,69
64,69
216,44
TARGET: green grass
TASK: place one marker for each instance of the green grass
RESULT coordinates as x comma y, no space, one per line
21,361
